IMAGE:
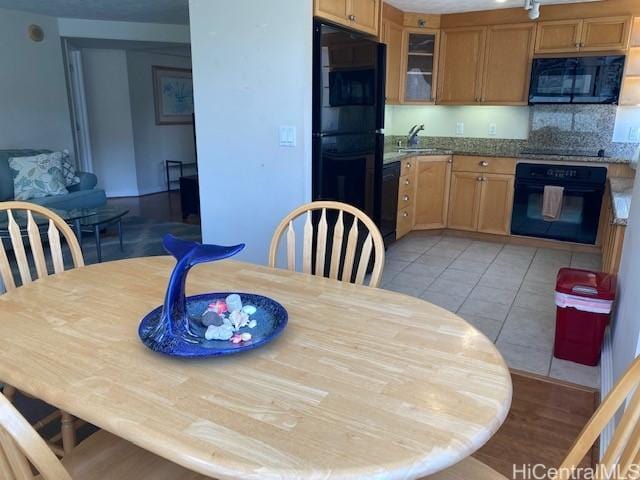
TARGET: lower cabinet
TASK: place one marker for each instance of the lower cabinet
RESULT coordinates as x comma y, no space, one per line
433,177
496,204
481,202
611,236
464,200
460,193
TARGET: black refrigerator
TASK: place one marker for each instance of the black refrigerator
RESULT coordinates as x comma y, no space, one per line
348,118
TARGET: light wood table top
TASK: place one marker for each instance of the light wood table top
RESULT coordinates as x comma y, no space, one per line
363,383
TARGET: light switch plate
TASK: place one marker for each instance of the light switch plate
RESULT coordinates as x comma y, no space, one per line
634,134
493,129
287,136
459,128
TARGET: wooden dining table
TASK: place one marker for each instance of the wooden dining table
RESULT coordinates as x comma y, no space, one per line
362,384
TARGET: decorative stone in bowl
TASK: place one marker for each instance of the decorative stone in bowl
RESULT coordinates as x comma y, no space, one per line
211,324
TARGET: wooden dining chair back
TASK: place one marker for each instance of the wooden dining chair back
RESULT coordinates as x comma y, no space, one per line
623,451
21,447
55,226
349,257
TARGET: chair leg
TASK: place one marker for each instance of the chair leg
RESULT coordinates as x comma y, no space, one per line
68,432
9,392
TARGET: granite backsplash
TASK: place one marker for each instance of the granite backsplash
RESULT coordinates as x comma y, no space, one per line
572,129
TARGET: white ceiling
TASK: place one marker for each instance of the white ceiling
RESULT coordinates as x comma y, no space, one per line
149,11
457,6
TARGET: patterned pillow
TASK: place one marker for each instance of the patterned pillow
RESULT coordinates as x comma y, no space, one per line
38,176
69,170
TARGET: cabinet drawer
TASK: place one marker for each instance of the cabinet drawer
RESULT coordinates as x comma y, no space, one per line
505,166
407,166
405,184
405,199
405,221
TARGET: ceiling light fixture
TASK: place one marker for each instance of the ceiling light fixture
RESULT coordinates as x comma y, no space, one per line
533,8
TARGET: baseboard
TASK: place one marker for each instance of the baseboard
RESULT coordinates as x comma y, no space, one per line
606,384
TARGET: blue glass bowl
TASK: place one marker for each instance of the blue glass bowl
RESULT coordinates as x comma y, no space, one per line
271,318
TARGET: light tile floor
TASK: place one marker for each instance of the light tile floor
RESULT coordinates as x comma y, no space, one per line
505,291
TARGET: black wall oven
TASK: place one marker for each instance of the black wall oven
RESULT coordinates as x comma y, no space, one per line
582,202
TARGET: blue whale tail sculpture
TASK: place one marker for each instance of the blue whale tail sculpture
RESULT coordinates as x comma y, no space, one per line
195,252
188,254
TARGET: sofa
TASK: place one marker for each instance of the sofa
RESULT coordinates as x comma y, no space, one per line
82,195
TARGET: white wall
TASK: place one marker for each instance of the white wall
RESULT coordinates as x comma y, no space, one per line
440,121
250,77
34,110
154,143
626,326
110,124
111,30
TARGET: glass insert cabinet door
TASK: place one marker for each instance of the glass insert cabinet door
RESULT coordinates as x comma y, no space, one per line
421,60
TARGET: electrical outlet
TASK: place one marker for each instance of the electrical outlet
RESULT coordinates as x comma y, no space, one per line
493,129
459,128
634,134
287,136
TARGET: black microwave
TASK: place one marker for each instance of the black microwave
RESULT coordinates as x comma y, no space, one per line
577,80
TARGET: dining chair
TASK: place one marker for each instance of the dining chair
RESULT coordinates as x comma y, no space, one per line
54,225
622,455
102,456
349,261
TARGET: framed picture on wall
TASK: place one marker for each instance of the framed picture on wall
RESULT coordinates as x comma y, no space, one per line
173,95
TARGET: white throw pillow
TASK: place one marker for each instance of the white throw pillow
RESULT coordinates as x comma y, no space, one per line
38,176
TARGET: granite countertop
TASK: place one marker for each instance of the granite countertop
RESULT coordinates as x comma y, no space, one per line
621,192
394,156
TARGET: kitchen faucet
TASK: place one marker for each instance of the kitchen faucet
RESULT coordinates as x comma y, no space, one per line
412,140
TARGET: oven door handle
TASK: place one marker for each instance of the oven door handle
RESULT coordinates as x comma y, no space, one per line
568,189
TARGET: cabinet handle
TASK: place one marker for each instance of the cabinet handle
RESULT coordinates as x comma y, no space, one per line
484,163
408,165
405,214
407,182
352,18
406,198
479,179
450,160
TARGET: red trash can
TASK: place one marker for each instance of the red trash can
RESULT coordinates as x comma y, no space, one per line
584,300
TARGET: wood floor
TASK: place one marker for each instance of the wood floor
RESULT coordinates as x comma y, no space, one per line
163,206
545,419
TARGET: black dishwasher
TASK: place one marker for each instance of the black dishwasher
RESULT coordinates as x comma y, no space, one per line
389,203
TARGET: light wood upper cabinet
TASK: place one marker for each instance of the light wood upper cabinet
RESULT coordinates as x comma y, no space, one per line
630,94
333,10
361,15
464,200
496,204
433,178
507,68
420,60
605,34
583,35
558,36
365,15
461,65
392,36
